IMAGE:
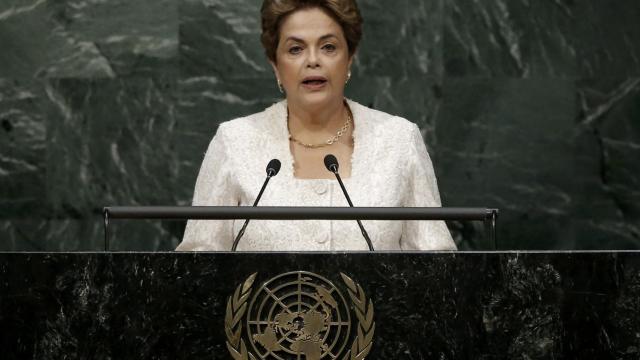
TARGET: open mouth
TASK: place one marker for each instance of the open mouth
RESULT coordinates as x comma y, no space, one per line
314,81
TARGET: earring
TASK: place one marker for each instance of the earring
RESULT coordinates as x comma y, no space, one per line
280,87
348,77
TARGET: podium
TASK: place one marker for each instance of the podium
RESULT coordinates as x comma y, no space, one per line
421,305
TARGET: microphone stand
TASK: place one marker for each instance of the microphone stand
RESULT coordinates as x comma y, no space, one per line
334,169
270,174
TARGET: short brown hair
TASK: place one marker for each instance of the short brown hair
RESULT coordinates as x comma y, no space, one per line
345,12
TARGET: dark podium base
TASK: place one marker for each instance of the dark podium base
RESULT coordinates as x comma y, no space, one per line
427,305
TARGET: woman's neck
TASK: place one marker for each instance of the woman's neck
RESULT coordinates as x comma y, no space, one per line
312,123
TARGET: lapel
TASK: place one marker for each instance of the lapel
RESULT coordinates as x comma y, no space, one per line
278,133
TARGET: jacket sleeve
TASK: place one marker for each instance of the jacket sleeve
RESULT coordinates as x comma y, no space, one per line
423,192
214,187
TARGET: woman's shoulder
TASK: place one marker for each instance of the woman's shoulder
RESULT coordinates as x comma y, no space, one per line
381,122
260,123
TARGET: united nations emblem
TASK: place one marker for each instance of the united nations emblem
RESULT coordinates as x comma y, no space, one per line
299,315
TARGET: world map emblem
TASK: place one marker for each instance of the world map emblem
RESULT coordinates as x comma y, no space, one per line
299,315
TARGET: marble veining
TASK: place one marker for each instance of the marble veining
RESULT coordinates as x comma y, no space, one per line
427,306
529,106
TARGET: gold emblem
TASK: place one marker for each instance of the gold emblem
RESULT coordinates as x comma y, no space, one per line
298,315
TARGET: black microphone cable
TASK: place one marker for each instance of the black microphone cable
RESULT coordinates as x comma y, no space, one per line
331,163
272,170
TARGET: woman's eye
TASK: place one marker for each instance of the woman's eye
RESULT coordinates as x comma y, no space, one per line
295,50
330,47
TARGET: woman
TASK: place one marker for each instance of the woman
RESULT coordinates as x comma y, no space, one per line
311,45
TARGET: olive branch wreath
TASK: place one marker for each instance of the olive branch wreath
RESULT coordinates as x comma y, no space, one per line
237,306
366,326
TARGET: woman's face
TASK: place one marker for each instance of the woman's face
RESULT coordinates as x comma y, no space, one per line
312,58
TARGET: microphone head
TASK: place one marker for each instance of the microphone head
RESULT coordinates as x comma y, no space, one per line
273,167
331,163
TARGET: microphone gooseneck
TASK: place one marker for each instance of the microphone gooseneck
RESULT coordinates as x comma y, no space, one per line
331,163
272,170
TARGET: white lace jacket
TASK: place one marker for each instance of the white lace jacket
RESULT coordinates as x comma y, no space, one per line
390,167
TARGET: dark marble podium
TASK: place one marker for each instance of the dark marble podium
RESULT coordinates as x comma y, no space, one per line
442,305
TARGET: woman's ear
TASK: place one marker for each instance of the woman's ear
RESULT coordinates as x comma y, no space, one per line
275,69
351,58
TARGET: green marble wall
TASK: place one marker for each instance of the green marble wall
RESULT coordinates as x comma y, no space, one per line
531,107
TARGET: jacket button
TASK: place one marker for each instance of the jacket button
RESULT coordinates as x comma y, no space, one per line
320,188
323,239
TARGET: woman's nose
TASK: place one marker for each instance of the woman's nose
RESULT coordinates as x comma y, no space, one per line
312,59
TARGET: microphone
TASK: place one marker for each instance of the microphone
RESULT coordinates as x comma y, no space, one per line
331,163
273,167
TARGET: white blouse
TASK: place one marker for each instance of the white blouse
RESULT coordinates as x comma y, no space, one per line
390,167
